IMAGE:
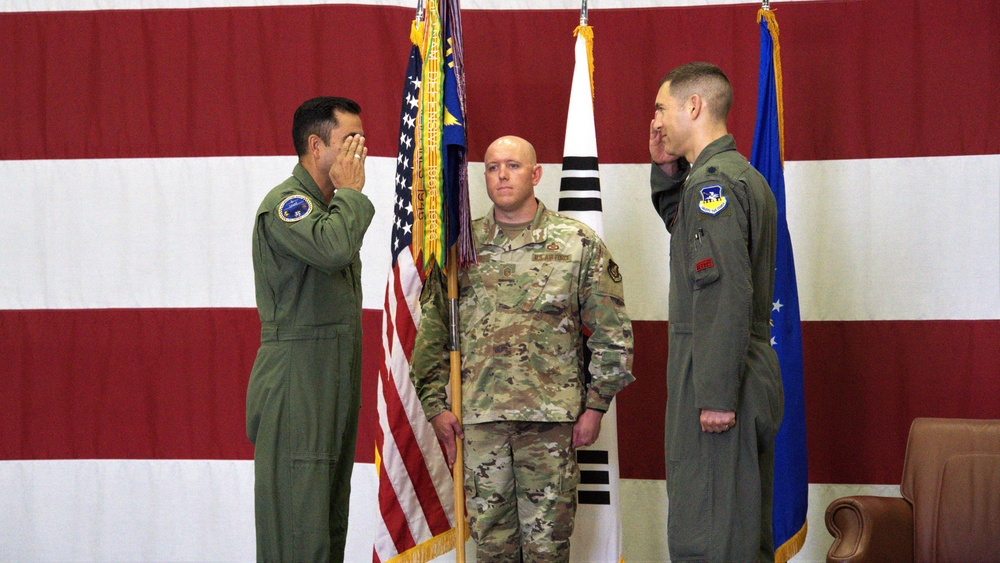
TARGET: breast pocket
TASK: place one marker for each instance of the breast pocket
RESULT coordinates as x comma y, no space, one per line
544,289
702,267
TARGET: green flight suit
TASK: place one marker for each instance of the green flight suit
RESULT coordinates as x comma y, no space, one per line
305,388
722,221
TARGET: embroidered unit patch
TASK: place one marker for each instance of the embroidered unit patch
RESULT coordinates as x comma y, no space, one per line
712,200
295,208
616,275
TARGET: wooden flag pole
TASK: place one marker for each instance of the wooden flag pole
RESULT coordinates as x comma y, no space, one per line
457,470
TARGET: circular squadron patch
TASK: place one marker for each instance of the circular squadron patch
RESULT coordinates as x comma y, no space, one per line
295,208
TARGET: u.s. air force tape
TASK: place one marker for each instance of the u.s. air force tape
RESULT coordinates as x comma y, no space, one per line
295,208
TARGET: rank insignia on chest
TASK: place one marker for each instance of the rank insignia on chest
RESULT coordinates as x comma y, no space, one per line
712,201
294,208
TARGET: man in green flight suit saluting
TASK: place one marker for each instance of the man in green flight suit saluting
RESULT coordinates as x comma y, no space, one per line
724,393
305,388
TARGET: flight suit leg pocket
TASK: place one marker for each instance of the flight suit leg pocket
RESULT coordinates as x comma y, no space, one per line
312,477
689,519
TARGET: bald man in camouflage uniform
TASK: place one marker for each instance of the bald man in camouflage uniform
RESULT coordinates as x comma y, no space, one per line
527,405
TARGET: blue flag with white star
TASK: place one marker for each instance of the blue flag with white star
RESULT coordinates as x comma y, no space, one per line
791,479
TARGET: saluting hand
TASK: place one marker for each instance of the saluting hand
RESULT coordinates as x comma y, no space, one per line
666,161
348,171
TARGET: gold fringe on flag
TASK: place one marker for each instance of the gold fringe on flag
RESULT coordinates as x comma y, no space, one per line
772,26
430,549
788,549
588,36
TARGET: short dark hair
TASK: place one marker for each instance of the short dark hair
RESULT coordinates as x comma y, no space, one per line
317,117
706,80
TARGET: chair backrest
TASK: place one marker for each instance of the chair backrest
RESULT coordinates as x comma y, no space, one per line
951,476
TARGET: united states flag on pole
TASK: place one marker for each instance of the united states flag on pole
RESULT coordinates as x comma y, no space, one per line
415,493
791,480
598,532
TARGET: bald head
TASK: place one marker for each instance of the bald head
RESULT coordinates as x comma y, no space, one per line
512,172
513,144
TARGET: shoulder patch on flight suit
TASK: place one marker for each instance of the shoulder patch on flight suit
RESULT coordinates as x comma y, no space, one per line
616,276
712,200
295,208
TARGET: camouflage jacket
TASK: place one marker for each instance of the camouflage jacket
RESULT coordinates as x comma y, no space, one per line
521,310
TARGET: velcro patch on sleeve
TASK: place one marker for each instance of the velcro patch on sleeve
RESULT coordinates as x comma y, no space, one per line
614,272
704,265
712,200
295,208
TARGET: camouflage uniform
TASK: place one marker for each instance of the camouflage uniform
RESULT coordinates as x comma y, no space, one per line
722,222
522,309
305,388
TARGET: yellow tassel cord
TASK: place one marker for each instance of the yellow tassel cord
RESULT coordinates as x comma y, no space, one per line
417,186
431,108
588,36
788,549
772,26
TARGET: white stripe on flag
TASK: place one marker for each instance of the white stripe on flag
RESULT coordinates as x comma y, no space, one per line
580,174
579,194
856,226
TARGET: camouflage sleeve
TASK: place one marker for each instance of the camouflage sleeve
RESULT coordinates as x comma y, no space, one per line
602,310
429,361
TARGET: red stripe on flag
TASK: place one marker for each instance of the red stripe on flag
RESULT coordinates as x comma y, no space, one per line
171,384
402,432
865,381
389,507
413,459
223,82
126,383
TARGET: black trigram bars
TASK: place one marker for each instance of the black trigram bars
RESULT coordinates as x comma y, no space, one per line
591,479
580,175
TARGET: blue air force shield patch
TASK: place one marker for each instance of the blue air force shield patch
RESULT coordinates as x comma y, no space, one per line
712,200
295,208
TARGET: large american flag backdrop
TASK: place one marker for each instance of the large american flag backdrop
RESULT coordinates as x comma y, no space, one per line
137,143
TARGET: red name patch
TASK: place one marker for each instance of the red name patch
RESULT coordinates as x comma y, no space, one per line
703,265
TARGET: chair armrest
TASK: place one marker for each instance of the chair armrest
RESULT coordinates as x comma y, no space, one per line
869,528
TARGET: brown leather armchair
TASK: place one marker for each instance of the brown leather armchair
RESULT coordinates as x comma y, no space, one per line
950,510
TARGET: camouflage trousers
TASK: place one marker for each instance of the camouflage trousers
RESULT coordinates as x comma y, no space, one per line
520,489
